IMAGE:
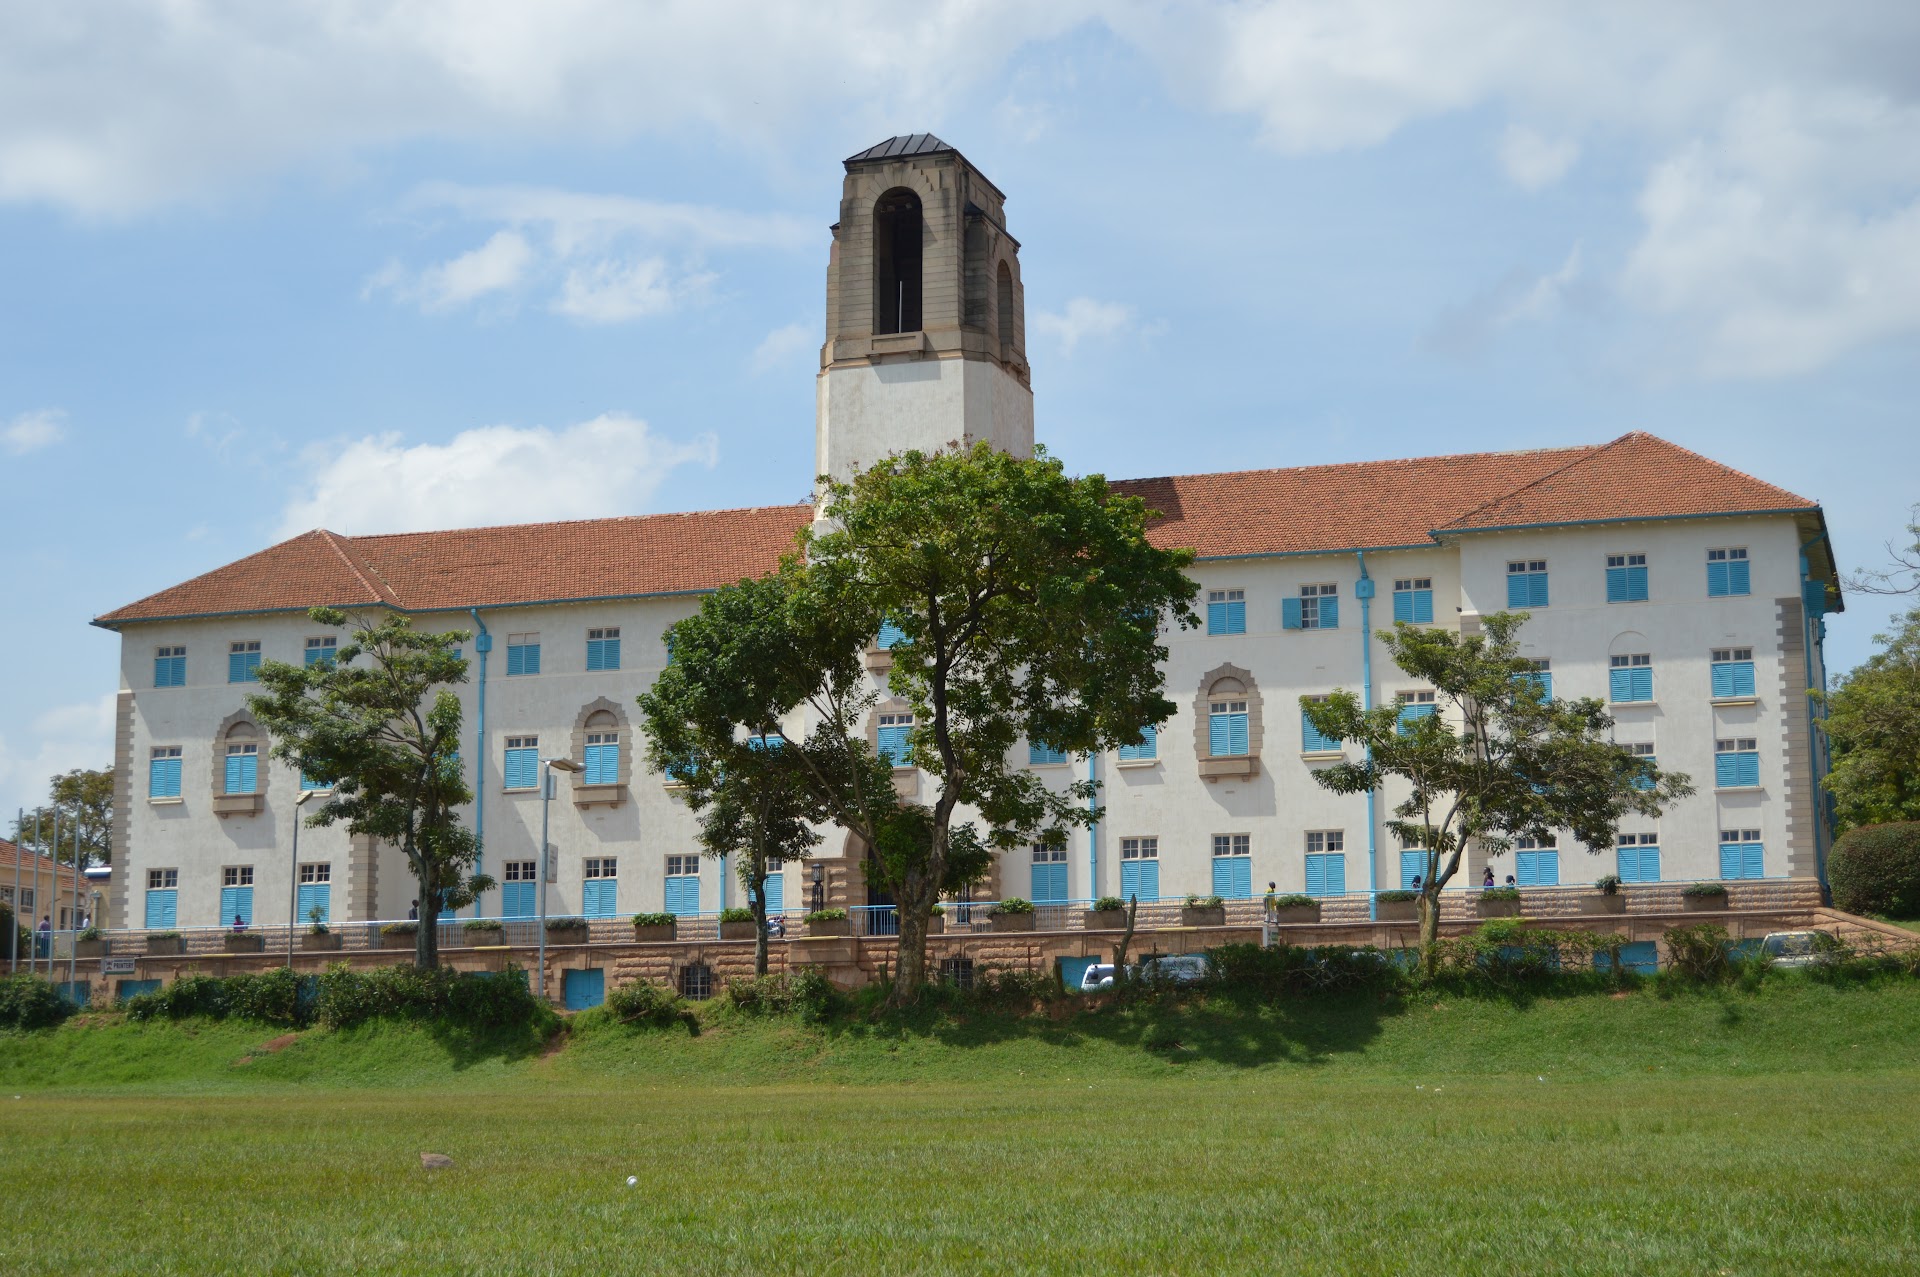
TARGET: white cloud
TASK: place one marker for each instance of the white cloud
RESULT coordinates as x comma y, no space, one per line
1084,318
57,740
612,464
496,266
1532,161
783,346
1520,297
611,292
32,431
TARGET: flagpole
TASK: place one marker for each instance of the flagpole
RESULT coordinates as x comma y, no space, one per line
46,901
73,942
13,940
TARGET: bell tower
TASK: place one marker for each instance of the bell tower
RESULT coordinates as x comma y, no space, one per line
926,326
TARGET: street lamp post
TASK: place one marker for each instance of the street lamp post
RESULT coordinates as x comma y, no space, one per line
293,874
546,800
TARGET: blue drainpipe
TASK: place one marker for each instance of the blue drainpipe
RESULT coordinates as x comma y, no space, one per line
482,643
1363,590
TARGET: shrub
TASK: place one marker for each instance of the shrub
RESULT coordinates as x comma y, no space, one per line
475,999
91,933
1501,952
1205,902
1500,893
806,992
1609,885
482,924
1397,897
28,1002
736,915
646,1004
271,997
1876,869
1290,971
938,911
827,915
400,929
654,919
163,935
1295,901
1699,952
1015,905
1109,904
566,924
1703,889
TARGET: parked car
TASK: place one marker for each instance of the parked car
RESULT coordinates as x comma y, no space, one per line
1799,948
1175,968
1097,977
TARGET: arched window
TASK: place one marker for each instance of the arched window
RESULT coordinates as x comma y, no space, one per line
1003,309
1227,722
896,262
241,771
602,754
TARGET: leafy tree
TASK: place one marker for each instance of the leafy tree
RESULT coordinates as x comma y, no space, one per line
371,726
1498,760
79,795
753,809
1873,720
1901,575
1028,604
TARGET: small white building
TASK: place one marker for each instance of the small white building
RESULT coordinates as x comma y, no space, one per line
1687,593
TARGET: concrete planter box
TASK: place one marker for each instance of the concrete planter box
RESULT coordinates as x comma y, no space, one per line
480,937
328,943
1105,919
653,935
243,944
736,931
578,935
1012,921
170,947
397,940
1397,910
1497,908
1294,914
1203,917
937,926
1704,904
92,948
833,927
1603,905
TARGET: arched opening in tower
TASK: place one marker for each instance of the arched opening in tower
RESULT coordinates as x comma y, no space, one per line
1003,306
897,231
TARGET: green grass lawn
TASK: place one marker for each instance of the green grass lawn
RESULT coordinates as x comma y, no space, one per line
1775,1131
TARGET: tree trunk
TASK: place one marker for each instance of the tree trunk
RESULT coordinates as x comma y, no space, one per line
1429,928
757,901
1126,942
426,941
914,907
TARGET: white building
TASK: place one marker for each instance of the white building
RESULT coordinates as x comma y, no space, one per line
1688,593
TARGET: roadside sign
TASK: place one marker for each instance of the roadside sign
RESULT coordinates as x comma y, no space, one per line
116,966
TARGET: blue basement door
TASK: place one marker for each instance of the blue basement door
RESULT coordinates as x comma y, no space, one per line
134,988
582,989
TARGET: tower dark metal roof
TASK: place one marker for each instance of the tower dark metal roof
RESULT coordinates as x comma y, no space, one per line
906,144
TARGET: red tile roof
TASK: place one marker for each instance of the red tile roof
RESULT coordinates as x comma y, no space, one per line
1305,510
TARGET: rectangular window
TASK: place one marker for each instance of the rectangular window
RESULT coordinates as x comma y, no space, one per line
1736,762
1727,572
1311,740
243,662
523,654
889,635
683,885
1226,611
1415,705
1233,866
1537,862
163,772
1039,755
313,901
1637,857
522,767
162,879
1626,578
1227,729
1732,669
1630,678
1148,748
309,783
1140,868
602,762
892,738
1413,868
322,648
1413,600
1742,854
243,769
1317,608
1049,881
603,649
316,873
600,892
517,899
1326,862
1541,677
1527,583
1643,750
236,896
162,899
169,667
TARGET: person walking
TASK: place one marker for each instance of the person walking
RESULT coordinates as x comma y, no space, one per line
43,940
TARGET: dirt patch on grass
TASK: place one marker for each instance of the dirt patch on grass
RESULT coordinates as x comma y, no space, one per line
278,1044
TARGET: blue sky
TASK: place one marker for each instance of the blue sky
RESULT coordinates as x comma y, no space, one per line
375,267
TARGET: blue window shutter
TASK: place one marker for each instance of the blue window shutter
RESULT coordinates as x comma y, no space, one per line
236,778
160,910
1040,754
1637,585
236,902
1722,678
893,745
1329,612
776,894
1620,685
313,895
1216,619
599,897
1547,869
516,659
1289,614
236,667
1526,872
1739,577
533,658
1726,770
1316,876
1752,860
891,633
596,654
602,765
516,900
1536,589
1412,865
1147,748
1219,735
1423,606
1140,878
1336,875
1237,734
1237,617
1049,883
1130,878
1649,864
1626,864
1749,769
1233,877
1642,683
1616,585
1717,584
1403,606
522,770
1518,593
683,894
1312,741
1729,860
1743,684
1544,681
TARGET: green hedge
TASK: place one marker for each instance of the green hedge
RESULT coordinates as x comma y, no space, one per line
28,1002
650,1005
342,998
1876,869
736,914
271,997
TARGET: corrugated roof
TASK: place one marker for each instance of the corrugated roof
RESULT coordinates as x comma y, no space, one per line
1304,510
896,148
